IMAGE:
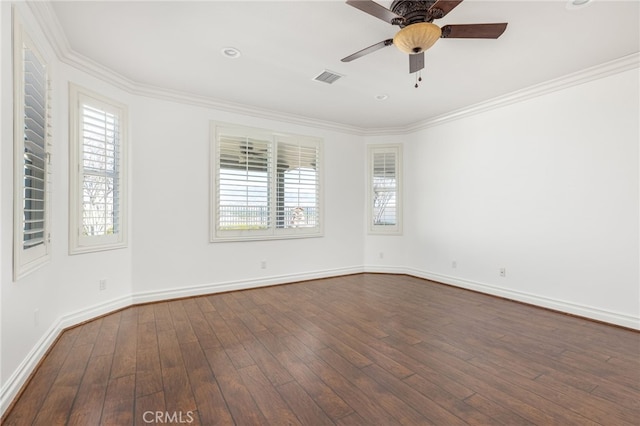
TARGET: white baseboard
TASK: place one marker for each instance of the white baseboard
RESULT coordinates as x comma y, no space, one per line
220,287
14,383
584,311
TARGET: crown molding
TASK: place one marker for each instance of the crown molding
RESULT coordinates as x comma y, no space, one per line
606,69
53,31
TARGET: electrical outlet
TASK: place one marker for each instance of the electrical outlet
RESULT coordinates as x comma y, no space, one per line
103,284
36,317
503,272
454,264
381,255
263,264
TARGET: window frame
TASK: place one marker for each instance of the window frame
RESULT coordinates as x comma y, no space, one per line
79,243
273,231
26,260
372,151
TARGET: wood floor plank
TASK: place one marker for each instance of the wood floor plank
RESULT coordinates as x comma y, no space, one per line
363,404
273,407
181,322
322,394
124,357
212,408
325,333
203,331
105,343
57,405
583,402
146,407
148,368
228,340
119,401
499,413
390,402
177,388
433,390
302,405
87,407
239,401
357,340
162,315
362,349
412,397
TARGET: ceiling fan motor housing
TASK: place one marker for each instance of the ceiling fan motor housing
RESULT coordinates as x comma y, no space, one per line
413,11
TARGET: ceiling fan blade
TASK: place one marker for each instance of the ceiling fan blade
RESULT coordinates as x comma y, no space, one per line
441,7
374,9
416,62
368,50
473,30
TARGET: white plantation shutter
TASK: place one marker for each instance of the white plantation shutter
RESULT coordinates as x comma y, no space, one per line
35,150
384,191
100,177
264,186
97,170
298,189
32,134
243,193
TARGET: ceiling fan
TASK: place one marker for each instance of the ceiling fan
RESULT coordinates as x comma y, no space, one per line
417,32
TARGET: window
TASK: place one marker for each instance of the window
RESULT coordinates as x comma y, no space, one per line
264,184
385,162
97,164
32,138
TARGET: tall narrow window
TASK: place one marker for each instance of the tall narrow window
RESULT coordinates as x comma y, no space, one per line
384,191
244,198
31,142
98,154
264,185
297,185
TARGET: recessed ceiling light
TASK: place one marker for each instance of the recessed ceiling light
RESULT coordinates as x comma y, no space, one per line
382,97
576,4
230,52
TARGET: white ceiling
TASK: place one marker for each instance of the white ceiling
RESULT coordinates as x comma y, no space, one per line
285,44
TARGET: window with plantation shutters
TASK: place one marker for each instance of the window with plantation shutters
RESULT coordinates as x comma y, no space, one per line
243,193
297,185
32,162
264,185
97,172
384,190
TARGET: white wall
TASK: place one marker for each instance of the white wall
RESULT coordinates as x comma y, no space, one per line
172,253
65,291
546,188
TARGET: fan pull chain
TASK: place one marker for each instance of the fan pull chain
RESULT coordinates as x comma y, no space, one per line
418,78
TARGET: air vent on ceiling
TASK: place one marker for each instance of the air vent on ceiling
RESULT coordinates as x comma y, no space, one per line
327,76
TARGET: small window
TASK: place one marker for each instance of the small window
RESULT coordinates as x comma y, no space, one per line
264,185
97,171
385,164
32,138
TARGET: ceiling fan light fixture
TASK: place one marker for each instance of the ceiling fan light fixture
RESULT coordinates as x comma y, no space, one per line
416,38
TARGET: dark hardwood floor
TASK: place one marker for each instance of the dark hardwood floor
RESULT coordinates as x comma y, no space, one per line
355,350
